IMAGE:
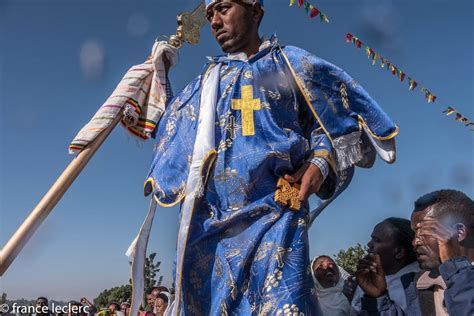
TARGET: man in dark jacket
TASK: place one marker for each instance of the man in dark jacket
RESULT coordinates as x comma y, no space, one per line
443,222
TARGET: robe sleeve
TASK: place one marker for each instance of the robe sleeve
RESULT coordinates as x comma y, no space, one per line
350,126
320,147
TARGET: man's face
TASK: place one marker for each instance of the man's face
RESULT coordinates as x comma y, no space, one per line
123,308
41,302
382,243
326,271
426,247
231,23
113,308
150,299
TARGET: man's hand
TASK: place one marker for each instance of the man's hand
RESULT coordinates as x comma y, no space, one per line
85,301
349,288
371,277
165,53
447,237
311,180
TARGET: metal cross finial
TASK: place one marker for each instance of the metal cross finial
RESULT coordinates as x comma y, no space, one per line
189,25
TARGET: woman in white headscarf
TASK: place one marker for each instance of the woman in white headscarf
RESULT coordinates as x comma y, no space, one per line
329,283
163,304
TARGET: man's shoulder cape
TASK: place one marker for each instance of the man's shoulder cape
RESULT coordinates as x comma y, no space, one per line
354,125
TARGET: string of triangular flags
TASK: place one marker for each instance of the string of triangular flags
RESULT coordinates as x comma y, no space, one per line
311,10
459,117
412,84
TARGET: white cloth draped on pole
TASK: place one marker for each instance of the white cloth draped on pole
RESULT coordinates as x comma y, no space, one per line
141,97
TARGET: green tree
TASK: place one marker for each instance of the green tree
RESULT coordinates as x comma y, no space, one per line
151,269
116,294
348,259
3,298
123,293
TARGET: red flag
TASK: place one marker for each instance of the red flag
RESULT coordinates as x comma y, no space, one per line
349,38
314,12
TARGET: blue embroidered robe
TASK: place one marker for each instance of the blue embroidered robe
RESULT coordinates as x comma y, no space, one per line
245,254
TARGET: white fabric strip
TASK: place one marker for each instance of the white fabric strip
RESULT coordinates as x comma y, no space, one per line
137,253
204,143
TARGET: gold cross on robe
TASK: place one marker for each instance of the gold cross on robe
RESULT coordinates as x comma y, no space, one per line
247,104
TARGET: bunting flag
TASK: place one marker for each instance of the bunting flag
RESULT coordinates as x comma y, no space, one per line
401,75
311,10
412,84
449,110
459,117
429,96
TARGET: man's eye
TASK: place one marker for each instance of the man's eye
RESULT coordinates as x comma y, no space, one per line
223,9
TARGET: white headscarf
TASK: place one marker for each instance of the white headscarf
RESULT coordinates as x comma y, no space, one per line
170,302
331,300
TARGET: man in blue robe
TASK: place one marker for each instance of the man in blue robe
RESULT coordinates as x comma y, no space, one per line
229,145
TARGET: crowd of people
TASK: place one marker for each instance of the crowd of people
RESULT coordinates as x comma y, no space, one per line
422,266
155,303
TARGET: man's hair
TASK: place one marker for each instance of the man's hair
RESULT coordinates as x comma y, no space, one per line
323,257
455,204
159,288
403,235
42,298
117,306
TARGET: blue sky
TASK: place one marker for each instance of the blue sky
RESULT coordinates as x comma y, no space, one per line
60,59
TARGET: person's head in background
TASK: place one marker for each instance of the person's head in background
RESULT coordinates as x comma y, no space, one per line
150,299
446,218
43,304
157,290
329,286
392,239
325,271
114,307
161,304
125,308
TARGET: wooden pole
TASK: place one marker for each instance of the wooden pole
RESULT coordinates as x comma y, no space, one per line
19,239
